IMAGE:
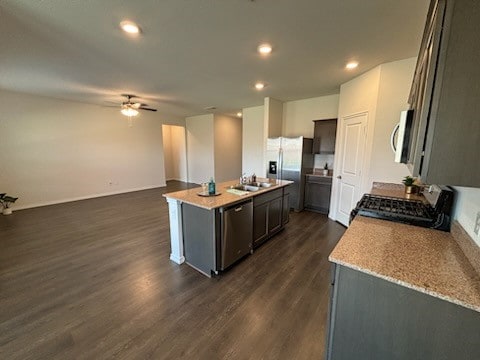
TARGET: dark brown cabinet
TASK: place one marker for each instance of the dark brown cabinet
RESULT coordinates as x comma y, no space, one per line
270,214
324,136
317,193
444,96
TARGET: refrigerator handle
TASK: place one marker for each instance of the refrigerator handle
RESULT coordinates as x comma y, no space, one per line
280,164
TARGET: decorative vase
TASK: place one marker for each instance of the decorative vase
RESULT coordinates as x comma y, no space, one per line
325,172
410,189
7,211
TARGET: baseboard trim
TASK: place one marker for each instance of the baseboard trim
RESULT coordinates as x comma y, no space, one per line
86,197
176,259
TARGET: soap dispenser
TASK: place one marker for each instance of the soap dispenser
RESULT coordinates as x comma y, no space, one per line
211,187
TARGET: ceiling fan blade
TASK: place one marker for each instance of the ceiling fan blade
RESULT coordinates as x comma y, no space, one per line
148,109
136,105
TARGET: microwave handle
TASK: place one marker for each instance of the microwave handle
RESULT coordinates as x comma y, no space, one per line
392,138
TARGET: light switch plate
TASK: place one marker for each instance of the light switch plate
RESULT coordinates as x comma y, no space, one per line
477,224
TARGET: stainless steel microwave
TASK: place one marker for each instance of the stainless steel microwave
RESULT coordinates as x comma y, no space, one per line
401,136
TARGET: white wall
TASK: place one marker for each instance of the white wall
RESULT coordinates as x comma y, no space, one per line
467,205
298,115
228,148
200,148
273,117
357,96
394,87
175,152
179,152
53,150
253,141
167,152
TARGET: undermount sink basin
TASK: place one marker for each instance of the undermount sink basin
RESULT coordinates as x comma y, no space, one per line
252,186
242,187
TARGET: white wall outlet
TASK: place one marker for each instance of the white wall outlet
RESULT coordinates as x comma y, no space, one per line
477,224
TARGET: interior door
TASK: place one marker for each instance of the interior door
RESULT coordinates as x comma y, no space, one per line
352,160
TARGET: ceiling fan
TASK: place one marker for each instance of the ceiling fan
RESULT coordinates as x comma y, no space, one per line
130,108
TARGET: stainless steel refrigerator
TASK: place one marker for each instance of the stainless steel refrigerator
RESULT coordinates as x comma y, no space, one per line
290,159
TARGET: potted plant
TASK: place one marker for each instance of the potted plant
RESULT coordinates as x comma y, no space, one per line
409,182
325,169
6,200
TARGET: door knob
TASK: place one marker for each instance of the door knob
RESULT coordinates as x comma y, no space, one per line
339,177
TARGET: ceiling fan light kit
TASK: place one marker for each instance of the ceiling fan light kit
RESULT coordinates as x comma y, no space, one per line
129,108
129,111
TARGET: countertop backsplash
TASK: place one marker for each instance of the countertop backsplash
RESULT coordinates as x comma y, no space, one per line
321,159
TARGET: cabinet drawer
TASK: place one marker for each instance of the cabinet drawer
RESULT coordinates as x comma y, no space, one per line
319,179
263,198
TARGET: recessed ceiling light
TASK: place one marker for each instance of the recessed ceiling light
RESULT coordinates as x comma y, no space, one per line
351,65
259,85
130,27
264,49
239,114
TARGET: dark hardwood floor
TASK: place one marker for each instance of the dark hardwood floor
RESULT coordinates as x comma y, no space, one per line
92,279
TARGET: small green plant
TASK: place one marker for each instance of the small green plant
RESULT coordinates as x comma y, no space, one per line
325,167
408,180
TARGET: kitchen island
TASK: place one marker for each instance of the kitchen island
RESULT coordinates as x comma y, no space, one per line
211,232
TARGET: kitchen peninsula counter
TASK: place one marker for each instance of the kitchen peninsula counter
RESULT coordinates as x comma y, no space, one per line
403,292
426,260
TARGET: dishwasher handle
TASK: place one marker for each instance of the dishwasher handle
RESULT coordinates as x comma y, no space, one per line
237,207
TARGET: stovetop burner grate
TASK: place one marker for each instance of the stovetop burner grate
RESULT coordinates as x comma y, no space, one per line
396,207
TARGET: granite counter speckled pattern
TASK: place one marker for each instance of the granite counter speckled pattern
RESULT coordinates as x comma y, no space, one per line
191,196
426,260
394,190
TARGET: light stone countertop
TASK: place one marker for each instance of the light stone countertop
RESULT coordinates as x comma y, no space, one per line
394,190
191,196
426,260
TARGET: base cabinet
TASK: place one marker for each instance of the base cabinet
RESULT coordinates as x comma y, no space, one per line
286,206
270,214
317,193
374,319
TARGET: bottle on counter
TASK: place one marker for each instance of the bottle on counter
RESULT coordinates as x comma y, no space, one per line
254,178
211,187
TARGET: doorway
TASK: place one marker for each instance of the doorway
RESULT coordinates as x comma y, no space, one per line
349,176
174,152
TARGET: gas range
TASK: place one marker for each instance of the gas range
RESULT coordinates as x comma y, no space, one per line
435,214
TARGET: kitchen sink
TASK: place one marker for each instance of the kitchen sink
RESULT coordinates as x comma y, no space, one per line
251,187
246,187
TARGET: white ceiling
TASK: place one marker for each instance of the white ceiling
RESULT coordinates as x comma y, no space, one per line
199,53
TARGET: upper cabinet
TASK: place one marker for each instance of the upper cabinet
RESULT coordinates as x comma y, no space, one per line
324,136
445,96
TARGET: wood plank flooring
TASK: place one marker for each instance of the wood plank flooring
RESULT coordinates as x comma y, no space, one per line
92,279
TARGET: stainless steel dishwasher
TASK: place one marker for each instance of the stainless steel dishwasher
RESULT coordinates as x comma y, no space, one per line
237,232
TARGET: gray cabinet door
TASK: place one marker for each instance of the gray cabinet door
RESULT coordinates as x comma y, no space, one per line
275,215
324,136
445,95
260,223
374,319
286,209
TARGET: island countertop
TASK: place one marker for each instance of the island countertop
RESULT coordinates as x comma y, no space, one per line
426,260
225,198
